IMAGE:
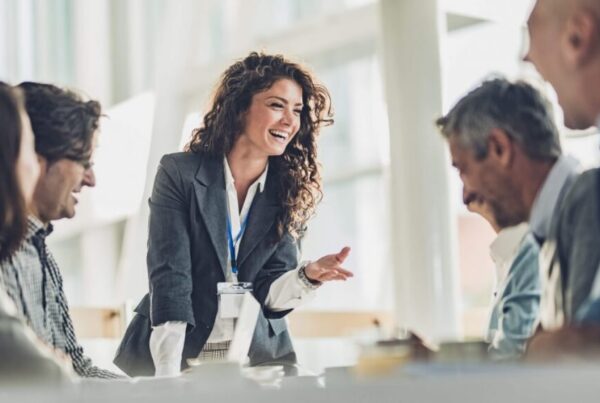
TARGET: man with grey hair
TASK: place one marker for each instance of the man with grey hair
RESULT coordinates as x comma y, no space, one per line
565,49
505,145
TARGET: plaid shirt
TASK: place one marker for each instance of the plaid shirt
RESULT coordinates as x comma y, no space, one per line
33,280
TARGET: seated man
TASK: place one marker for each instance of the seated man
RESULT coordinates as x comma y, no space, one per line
572,261
505,145
64,128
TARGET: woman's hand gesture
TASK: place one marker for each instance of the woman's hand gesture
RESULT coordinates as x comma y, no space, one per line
329,267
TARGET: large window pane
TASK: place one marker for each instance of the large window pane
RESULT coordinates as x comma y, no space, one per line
355,208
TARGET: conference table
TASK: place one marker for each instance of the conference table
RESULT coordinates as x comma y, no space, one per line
411,382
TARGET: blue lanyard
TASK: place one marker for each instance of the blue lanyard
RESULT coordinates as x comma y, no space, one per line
232,241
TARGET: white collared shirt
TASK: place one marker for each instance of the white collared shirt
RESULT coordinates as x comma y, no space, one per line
543,207
287,292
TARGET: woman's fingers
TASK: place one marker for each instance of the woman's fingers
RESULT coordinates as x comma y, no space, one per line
335,274
328,267
343,254
344,272
329,277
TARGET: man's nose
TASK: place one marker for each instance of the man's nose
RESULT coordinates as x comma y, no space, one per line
468,196
89,178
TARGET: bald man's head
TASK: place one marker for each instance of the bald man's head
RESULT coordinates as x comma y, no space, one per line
560,10
565,48
589,5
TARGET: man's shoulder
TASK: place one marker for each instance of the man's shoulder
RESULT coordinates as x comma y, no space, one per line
17,272
22,259
585,190
524,268
587,179
528,245
579,214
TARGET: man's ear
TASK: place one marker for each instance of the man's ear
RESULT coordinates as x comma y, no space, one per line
500,147
579,41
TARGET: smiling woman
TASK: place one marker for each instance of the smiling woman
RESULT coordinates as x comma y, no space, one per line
234,206
272,122
273,118
274,83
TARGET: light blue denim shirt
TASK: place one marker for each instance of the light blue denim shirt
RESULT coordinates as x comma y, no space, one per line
517,298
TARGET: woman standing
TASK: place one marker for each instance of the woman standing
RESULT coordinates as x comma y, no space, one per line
232,208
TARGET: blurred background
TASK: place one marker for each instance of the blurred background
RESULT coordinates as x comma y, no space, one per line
392,67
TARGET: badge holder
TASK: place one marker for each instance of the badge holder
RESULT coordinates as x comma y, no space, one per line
231,296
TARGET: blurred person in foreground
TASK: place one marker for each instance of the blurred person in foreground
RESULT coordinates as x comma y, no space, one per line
25,359
564,46
64,128
505,145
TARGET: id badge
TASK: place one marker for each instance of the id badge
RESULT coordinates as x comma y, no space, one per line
231,296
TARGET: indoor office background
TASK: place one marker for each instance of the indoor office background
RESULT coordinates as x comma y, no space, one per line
416,251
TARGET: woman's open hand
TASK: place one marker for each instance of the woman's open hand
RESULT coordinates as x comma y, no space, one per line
329,267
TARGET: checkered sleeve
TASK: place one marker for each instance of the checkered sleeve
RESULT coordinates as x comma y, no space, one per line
81,363
9,280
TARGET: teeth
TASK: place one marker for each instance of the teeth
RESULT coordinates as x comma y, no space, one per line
280,134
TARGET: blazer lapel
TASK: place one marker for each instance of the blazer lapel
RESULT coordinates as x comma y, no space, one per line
212,204
262,218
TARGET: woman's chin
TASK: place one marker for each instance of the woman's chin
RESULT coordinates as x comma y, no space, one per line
276,151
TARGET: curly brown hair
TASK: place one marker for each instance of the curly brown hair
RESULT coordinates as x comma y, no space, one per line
297,170
62,121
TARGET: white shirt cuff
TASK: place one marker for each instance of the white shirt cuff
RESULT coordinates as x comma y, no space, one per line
288,292
166,347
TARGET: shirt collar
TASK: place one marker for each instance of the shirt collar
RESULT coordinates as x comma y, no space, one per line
229,180
506,245
546,199
36,227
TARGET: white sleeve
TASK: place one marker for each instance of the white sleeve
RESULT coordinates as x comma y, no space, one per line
288,292
166,347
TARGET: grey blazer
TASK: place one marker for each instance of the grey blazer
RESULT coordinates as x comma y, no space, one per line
187,252
577,256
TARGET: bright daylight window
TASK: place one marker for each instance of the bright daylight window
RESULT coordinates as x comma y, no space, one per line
355,207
